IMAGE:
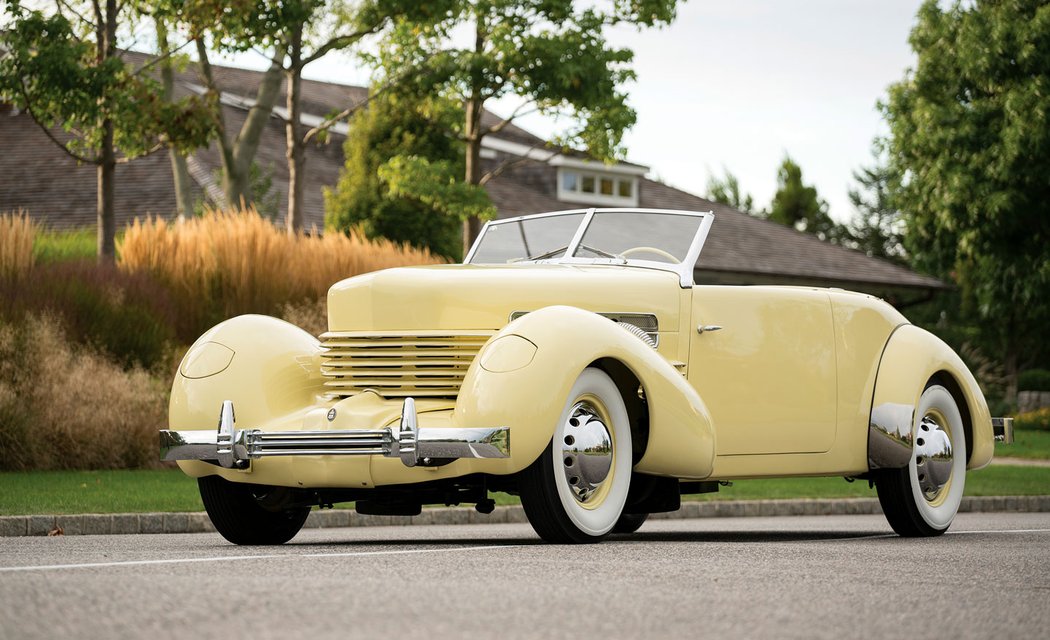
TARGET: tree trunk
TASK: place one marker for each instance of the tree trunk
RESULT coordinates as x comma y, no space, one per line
107,159
247,143
295,146
107,222
231,182
472,132
180,173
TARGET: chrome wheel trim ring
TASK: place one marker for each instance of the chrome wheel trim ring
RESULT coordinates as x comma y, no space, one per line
587,453
934,459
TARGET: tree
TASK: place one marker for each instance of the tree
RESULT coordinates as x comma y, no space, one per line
179,171
231,26
798,206
726,190
295,34
552,56
393,126
970,144
64,69
876,228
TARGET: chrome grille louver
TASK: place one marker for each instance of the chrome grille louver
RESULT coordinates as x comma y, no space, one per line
398,364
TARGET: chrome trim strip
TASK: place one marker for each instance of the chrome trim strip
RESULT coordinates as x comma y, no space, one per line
645,322
890,436
1003,428
230,447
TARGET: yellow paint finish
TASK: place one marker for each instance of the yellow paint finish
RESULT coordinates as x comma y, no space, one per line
206,359
769,375
470,297
530,400
911,358
512,353
863,324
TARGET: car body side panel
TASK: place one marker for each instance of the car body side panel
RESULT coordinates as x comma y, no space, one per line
912,356
768,375
530,399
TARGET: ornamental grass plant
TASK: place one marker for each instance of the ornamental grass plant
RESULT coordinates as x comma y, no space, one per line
228,263
17,233
70,406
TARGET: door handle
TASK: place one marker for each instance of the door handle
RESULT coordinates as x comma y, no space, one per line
707,327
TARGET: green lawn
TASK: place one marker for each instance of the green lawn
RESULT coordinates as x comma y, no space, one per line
1027,444
58,492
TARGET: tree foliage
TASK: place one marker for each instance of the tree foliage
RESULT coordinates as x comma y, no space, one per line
876,228
970,144
394,130
797,205
64,69
726,190
552,56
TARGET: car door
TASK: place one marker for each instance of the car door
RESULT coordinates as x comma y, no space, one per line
768,375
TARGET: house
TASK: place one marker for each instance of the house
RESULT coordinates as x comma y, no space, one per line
41,178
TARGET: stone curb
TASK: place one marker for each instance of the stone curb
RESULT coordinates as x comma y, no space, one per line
133,523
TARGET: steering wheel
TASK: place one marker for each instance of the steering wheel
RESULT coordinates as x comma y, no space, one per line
659,252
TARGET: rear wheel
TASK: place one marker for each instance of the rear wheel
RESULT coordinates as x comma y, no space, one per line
922,499
250,514
630,522
575,491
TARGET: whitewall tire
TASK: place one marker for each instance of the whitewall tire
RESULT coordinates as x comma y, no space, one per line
576,490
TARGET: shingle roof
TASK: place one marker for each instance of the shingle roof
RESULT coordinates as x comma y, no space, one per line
42,179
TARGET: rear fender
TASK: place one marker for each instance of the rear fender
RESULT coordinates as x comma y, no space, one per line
912,358
523,376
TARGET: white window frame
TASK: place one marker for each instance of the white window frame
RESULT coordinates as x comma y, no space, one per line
597,198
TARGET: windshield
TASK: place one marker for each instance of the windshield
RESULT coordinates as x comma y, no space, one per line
669,240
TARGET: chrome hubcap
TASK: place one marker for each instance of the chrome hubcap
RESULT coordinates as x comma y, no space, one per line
933,457
586,451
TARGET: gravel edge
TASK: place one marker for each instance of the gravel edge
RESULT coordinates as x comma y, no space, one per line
136,523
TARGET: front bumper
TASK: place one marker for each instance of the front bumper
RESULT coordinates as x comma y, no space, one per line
232,448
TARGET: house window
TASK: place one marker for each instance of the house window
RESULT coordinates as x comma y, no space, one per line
595,187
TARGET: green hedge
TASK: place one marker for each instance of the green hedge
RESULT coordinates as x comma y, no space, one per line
1034,380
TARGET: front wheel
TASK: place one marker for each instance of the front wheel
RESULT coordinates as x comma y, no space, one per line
921,499
249,514
575,491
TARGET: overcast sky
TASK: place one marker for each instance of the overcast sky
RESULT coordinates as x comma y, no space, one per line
739,84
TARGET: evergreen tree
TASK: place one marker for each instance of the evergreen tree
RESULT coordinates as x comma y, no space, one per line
726,190
797,205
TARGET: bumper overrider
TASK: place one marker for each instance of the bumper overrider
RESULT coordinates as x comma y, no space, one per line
231,447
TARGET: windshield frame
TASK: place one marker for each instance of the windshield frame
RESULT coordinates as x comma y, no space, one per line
684,269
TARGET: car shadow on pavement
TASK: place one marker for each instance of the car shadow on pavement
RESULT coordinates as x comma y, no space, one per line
748,537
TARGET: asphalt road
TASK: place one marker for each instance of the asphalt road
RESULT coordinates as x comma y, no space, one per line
804,577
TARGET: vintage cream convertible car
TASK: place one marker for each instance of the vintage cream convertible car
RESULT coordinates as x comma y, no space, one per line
571,361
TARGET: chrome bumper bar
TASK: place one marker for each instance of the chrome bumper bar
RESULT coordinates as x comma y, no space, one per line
1003,428
234,448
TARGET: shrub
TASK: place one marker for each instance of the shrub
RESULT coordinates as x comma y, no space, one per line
1038,419
17,232
64,407
230,263
1034,380
125,315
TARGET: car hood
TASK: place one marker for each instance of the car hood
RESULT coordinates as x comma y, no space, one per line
473,297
